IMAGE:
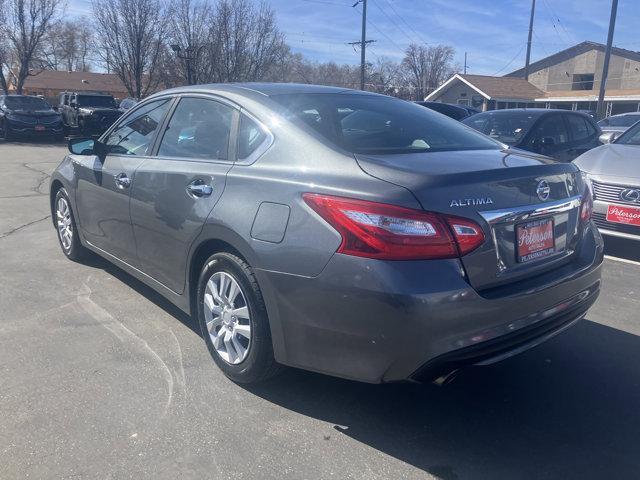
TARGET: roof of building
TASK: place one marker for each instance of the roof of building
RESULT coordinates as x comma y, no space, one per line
591,95
493,88
75,81
571,52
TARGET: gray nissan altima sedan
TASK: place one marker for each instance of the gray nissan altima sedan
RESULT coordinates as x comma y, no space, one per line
333,230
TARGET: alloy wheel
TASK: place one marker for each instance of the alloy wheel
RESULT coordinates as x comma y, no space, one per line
63,221
227,317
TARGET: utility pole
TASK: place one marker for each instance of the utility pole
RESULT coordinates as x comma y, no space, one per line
526,65
363,42
607,57
465,63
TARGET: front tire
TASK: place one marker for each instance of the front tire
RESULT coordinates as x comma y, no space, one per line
233,319
66,227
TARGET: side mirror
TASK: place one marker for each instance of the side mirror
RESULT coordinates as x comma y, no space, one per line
609,137
72,104
86,146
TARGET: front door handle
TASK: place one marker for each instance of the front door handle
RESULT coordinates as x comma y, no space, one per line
199,189
122,181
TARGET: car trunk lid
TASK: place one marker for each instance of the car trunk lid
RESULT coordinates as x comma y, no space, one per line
527,205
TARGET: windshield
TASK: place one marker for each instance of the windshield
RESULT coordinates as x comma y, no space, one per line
96,101
630,137
363,123
506,127
26,103
621,121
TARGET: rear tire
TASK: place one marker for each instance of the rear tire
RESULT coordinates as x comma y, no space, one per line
230,309
6,132
66,227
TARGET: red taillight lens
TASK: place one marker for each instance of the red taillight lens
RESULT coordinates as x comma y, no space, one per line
389,232
587,206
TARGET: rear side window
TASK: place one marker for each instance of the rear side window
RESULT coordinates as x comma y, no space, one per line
580,128
133,135
506,127
199,128
551,126
362,123
250,137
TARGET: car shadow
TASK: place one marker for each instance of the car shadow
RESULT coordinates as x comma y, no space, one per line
565,410
95,261
621,248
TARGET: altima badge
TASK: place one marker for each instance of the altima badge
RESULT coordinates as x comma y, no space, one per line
466,202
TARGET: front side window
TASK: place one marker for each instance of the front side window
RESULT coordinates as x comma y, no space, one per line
551,131
579,127
134,134
506,127
362,123
250,137
199,128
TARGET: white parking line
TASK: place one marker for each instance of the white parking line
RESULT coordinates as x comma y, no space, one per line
623,260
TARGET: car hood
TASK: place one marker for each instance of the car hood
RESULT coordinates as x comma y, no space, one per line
612,160
100,109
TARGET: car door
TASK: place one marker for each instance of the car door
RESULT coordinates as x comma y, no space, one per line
104,184
175,190
583,135
550,137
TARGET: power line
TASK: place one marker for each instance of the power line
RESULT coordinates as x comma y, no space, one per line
371,24
411,40
510,61
405,22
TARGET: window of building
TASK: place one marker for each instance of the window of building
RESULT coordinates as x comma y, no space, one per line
582,81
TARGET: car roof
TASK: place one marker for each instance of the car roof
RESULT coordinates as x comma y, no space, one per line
634,114
267,89
535,111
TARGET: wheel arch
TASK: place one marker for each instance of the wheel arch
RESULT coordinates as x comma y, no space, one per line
56,185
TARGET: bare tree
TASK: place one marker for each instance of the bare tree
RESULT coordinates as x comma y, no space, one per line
26,22
427,67
67,46
3,49
384,76
130,40
244,42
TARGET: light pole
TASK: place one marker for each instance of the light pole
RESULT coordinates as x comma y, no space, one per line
190,54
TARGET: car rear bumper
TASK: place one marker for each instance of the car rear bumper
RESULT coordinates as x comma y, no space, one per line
378,321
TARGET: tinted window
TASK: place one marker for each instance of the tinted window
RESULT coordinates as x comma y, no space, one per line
580,128
631,136
551,126
250,137
506,127
198,128
133,135
95,101
26,103
377,124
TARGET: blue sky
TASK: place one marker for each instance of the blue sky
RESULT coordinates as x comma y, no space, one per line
493,32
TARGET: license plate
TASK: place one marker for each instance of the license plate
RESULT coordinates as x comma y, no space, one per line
626,215
535,240
40,128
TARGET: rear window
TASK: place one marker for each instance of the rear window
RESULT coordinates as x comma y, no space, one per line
363,123
96,101
506,127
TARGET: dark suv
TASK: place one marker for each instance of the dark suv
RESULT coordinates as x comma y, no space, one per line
27,116
88,113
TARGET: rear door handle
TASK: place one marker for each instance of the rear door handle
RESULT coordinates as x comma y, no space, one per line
198,188
122,181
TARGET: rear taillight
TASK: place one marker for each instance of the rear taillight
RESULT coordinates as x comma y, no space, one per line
389,232
586,210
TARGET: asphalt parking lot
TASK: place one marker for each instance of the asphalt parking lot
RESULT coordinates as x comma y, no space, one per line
102,378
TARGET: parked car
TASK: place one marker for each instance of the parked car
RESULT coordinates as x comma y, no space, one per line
338,231
615,125
457,112
26,116
559,134
614,174
127,103
88,113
